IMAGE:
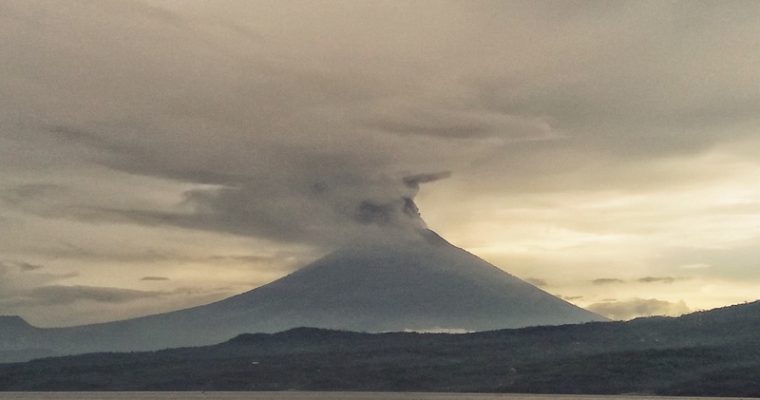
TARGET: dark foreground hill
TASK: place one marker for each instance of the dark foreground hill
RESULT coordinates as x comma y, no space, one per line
406,280
715,353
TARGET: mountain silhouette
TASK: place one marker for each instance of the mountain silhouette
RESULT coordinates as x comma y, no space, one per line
709,353
404,281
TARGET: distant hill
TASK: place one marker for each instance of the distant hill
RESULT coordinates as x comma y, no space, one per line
20,341
715,353
400,281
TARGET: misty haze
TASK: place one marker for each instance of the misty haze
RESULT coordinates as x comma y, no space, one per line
368,197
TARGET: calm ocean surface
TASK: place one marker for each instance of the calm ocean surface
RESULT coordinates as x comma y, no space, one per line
313,396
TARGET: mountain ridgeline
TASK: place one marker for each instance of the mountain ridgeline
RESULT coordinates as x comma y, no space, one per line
402,281
713,353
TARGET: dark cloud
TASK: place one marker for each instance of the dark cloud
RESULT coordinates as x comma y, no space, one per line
154,278
627,309
123,152
660,279
460,125
67,250
21,265
62,295
236,211
607,281
571,298
646,279
25,266
398,213
29,272
283,261
22,195
381,214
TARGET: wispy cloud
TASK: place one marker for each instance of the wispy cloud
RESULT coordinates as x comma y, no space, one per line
660,279
607,281
62,295
154,278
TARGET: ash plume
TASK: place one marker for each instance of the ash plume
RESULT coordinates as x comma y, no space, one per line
401,211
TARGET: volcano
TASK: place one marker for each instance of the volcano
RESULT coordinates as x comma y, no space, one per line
417,282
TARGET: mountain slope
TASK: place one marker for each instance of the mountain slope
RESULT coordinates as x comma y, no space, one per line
404,282
419,284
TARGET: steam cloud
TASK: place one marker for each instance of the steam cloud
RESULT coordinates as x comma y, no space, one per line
403,211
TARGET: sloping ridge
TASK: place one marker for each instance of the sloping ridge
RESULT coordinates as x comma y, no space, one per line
13,323
402,283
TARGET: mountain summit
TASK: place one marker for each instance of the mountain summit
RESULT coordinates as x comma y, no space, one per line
418,282
403,282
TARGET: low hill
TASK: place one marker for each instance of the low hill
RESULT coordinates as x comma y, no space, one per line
714,353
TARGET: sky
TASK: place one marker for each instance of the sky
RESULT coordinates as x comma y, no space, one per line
156,155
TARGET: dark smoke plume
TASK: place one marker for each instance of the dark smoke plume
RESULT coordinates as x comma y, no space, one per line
402,211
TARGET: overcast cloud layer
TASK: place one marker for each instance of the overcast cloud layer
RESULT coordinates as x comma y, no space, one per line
160,154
